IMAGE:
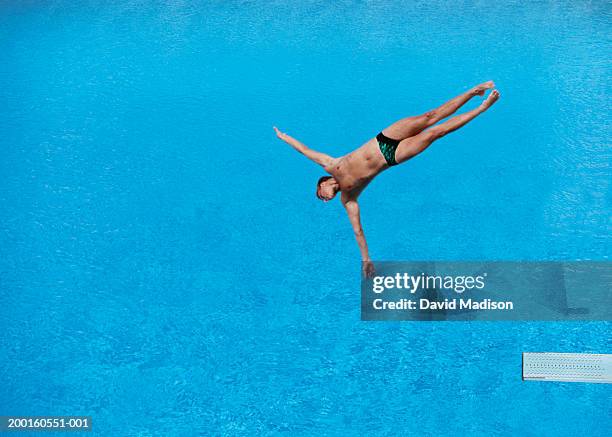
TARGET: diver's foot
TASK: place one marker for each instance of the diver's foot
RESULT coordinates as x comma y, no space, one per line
492,98
479,90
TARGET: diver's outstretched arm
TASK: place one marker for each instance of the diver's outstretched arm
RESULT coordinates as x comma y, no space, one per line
352,209
320,158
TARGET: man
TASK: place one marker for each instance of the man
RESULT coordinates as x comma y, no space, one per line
403,140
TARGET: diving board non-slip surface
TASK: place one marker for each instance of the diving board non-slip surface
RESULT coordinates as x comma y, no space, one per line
567,367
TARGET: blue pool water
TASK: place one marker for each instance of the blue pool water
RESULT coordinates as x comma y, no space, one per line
166,268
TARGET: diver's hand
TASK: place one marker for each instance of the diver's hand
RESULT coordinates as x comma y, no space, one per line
283,136
367,268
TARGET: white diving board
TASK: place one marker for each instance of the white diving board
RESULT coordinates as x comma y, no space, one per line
567,367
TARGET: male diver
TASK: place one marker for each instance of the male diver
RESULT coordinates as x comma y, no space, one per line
403,140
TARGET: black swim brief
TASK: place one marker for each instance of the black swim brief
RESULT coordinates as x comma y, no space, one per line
387,148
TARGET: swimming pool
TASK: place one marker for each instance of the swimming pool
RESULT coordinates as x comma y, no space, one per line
166,267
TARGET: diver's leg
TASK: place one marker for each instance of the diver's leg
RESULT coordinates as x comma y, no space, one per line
412,146
410,126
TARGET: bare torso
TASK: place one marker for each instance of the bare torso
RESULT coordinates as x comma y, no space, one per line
357,169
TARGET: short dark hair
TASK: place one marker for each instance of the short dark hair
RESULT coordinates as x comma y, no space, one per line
319,182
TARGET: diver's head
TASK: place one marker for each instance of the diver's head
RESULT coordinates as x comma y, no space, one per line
327,187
